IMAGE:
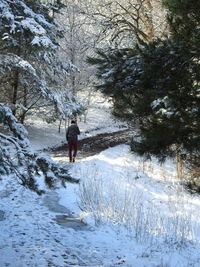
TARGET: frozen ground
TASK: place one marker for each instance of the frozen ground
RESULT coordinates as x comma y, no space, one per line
99,120
125,212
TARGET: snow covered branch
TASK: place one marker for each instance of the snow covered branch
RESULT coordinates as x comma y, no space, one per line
17,158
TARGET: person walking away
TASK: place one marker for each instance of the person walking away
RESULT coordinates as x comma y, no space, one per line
72,139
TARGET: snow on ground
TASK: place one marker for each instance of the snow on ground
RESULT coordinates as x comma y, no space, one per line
156,221
30,235
98,120
129,213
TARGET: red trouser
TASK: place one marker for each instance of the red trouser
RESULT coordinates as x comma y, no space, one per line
72,149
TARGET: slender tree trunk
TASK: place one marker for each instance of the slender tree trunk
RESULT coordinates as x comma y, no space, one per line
65,123
179,166
15,90
150,30
88,104
59,127
16,79
23,115
74,93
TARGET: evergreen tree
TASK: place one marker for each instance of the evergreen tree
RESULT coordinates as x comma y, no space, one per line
174,74
29,71
29,32
169,106
157,85
118,71
184,19
19,161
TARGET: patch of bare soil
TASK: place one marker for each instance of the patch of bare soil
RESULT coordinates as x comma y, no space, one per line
95,144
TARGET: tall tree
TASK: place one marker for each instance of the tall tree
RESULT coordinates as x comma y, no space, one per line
78,42
157,85
184,19
28,48
172,76
126,22
80,39
28,31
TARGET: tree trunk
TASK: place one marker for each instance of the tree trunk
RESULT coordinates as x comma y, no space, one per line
15,90
150,30
59,126
23,114
22,117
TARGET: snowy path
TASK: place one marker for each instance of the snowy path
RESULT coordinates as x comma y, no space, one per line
113,242
30,236
65,217
56,230
92,145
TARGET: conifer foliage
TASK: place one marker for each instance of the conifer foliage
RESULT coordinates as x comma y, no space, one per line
118,72
169,105
157,85
30,71
17,158
28,32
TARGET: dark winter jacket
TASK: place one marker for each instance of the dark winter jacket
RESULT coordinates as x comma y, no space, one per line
72,133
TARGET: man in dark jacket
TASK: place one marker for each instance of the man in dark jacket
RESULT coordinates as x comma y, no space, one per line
72,138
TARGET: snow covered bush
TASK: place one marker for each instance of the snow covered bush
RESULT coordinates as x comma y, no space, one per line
17,158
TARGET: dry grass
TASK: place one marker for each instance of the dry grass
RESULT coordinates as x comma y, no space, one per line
147,220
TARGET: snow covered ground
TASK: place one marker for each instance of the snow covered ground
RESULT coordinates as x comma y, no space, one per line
126,212
99,120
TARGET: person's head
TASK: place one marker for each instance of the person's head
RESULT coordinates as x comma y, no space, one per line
73,122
